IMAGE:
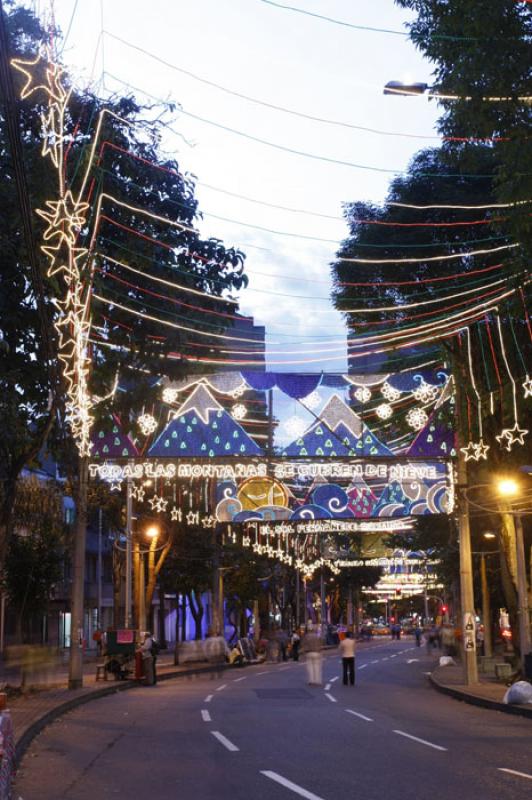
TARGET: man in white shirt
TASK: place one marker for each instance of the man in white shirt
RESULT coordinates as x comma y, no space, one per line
347,650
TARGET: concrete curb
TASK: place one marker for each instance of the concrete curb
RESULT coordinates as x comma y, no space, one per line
40,724
482,702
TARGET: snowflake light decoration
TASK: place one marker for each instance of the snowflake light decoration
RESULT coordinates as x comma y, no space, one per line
295,426
384,411
417,418
170,395
389,393
363,394
147,424
312,400
425,392
239,411
238,392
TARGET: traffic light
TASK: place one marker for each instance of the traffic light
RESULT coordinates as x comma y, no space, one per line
444,609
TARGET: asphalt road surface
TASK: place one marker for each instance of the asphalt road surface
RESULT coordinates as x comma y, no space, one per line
262,733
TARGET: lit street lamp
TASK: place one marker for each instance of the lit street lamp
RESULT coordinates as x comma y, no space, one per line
405,89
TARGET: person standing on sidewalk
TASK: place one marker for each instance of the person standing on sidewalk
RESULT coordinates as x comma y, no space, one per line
312,649
148,659
347,650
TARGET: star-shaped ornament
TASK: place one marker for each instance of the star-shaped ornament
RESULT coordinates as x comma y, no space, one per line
52,87
193,518
158,504
176,515
475,451
527,386
115,486
208,522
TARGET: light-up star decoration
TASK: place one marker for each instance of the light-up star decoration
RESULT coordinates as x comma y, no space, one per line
115,486
527,386
147,424
417,418
158,504
510,436
192,518
208,522
64,216
137,493
176,515
475,451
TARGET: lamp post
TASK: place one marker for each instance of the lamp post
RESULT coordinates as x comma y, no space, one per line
486,605
508,491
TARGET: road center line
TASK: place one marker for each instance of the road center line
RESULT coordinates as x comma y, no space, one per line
327,687
376,661
515,772
385,658
331,698
206,717
225,741
357,714
219,689
362,666
421,741
274,776
208,698
263,673
236,680
394,656
334,679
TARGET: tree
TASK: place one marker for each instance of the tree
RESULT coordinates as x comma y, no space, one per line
36,552
482,50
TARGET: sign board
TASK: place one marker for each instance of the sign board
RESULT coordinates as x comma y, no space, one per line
125,637
469,632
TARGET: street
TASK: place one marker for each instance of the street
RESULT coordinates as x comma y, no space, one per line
262,733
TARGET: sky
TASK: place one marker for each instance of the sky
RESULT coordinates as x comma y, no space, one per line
286,59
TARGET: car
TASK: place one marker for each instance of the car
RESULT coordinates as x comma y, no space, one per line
380,630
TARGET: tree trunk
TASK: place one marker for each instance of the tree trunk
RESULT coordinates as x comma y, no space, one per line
196,609
162,614
183,618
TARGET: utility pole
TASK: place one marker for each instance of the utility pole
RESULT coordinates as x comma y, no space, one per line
75,675
100,569
129,553
522,592
469,655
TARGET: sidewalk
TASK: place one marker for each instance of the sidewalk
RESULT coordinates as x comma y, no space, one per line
487,693
33,711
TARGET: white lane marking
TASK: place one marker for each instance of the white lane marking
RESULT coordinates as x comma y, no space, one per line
236,680
208,698
327,687
421,741
411,660
283,669
219,689
357,714
263,673
385,658
362,666
376,661
206,717
334,679
331,698
225,741
515,772
274,776
394,656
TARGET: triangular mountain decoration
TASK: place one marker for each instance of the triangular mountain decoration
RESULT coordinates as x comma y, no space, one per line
362,499
335,433
436,439
393,502
113,443
202,427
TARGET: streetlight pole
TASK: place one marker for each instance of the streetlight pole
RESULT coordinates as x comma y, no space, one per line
522,592
486,609
129,552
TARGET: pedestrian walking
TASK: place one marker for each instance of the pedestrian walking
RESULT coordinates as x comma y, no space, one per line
347,650
418,633
296,643
312,649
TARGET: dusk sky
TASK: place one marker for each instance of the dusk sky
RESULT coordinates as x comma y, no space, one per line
286,59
